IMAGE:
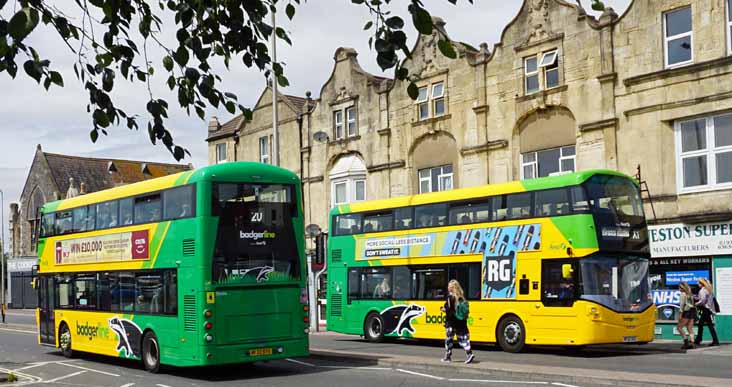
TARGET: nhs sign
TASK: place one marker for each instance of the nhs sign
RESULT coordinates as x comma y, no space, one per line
665,297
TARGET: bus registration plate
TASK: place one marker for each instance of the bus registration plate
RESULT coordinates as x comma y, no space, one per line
260,351
630,339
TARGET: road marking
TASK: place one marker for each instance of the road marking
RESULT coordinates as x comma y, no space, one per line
563,385
127,385
497,381
89,369
356,368
301,362
162,385
420,374
64,377
18,330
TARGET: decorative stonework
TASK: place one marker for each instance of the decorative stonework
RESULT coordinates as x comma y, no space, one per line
538,20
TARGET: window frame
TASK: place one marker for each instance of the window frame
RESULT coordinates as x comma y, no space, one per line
219,147
436,98
338,131
710,152
667,39
535,164
548,67
351,117
528,74
728,24
440,176
264,145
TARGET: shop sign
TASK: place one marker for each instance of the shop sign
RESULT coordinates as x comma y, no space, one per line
678,239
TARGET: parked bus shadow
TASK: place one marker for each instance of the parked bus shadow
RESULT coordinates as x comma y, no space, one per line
591,351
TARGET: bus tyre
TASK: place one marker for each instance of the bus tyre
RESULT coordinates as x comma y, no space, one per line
151,352
373,328
64,340
511,334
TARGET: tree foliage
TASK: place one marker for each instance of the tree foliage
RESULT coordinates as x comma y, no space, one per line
102,39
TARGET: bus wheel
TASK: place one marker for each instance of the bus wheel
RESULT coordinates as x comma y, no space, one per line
511,334
151,352
373,328
64,339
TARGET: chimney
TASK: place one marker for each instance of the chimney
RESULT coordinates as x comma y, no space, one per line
214,124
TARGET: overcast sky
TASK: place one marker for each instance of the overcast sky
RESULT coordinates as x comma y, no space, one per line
59,122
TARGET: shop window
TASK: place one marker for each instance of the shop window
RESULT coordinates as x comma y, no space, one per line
548,162
435,179
704,153
678,37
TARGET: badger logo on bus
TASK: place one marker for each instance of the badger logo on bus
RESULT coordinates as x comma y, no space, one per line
128,336
398,318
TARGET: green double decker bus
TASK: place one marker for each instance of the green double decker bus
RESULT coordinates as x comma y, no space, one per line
200,268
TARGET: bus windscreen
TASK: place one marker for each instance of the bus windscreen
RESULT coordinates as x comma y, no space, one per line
256,237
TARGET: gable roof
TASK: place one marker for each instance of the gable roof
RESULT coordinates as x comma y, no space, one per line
229,128
95,172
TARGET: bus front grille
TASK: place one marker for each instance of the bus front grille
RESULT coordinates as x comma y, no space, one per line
336,255
189,313
336,301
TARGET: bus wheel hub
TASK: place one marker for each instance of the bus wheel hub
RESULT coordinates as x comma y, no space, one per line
512,332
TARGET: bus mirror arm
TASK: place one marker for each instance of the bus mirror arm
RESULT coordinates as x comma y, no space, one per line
567,271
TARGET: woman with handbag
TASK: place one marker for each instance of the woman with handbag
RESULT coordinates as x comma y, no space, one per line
456,321
688,314
706,312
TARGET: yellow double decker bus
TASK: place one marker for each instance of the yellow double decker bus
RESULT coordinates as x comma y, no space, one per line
552,261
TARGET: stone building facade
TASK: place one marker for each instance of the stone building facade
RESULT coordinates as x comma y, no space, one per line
561,91
52,177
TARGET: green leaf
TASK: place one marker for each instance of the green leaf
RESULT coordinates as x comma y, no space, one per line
94,134
413,91
23,23
290,11
598,5
168,63
447,49
368,25
57,79
100,118
181,55
422,21
178,153
395,22
402,73
32,69
282,81
357,1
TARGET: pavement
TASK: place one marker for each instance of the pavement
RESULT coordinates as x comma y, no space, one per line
349,360
660,363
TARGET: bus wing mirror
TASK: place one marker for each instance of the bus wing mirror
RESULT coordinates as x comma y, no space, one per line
567,271
34,283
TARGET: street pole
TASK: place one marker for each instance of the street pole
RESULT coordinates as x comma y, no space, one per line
275,135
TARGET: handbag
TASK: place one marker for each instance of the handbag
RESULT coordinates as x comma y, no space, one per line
716,305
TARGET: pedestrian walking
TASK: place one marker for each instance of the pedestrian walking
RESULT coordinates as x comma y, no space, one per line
706,312
456,311
688,315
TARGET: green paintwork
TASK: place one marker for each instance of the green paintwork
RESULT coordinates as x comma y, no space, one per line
234,302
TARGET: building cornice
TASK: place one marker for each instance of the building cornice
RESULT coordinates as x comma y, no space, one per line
678,104
490,145
669,73
385,166
527,45
597,125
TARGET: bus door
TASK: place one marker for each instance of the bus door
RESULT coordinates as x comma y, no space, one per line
46,306
554,318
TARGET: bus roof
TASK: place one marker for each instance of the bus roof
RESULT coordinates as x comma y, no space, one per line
565,180
231,171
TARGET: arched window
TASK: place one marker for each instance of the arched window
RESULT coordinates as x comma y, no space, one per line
348,180
547,142
37,200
